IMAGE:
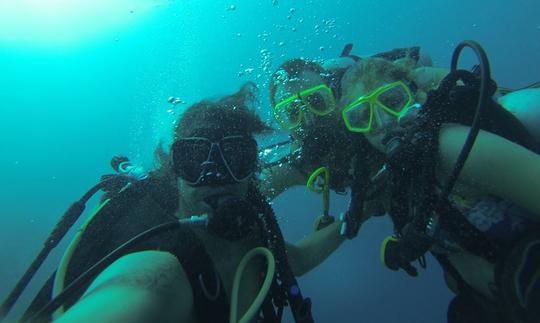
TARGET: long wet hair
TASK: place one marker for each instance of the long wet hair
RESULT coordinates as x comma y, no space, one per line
291,69
235,111
370,73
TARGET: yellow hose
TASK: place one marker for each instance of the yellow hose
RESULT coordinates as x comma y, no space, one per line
254,307
59,278
325,189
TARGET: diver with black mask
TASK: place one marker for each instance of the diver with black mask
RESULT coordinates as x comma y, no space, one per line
177,245
209,158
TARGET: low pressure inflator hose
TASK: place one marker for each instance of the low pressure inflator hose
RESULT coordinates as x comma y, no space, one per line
270,271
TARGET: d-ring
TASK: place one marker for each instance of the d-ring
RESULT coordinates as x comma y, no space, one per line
205,290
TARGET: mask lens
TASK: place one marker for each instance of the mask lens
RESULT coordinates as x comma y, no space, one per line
320,102
240,154
188,157
395,99
358,117
289,115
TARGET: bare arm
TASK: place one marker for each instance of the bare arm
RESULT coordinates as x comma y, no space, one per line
277,179
314,249
148,286
495,166
428,78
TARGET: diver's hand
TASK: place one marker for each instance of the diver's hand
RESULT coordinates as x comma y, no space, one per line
399,253
469,92
394,260
458,94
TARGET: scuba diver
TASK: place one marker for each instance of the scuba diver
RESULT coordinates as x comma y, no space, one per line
175,245
457,173
324,82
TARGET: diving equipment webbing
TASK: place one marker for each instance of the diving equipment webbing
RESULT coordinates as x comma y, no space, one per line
415,199
300,306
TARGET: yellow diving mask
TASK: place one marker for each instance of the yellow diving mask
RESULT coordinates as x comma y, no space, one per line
393,98
319,100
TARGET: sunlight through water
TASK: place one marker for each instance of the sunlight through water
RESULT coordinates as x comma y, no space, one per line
67,22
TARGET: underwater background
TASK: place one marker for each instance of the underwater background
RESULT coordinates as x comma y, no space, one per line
82,81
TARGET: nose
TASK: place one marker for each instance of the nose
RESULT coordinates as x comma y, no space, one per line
213,170
209,168
212,173
309,119
382,118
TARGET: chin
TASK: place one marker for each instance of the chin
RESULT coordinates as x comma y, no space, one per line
203,208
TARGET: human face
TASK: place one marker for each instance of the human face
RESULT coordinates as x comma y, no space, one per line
207,166
378,108
193,199
202,161
374,113
301,100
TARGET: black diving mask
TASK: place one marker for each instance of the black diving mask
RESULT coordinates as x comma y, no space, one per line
200,161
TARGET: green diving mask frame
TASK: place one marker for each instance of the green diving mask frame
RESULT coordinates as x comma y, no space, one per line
319,100
393,98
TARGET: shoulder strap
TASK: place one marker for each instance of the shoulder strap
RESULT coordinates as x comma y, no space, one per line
210,300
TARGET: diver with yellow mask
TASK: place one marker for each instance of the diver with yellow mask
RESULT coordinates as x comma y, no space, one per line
479,216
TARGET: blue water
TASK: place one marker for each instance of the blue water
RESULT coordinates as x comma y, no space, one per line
67,106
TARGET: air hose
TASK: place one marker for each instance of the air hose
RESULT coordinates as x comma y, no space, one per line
485,77
270,270
312,185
